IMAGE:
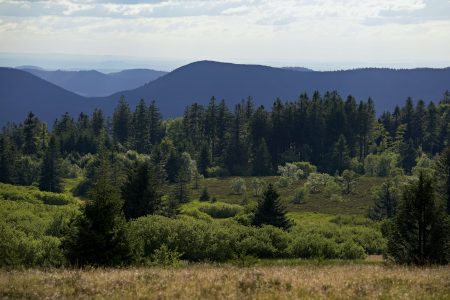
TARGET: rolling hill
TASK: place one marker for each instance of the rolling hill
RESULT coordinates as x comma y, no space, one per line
96,84
197,82
21,92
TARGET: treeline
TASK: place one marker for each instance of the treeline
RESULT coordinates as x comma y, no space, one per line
332,133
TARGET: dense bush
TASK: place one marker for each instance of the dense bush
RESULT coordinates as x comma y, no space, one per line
210,240
297,170
238,186
32,194
30,229
221,210
196,239
300,195
322,182
19,249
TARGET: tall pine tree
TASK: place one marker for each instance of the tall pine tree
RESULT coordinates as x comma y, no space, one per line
270,210
50,179
98,236
420,231
140,192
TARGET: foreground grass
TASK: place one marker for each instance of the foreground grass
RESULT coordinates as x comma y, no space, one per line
228,282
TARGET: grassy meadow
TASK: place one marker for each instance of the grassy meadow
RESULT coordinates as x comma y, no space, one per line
205,281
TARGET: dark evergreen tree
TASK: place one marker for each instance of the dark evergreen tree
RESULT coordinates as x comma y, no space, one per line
98,121
262,162
408,155
443,172
223,125
50,179
172,166
180,191
270,210
386,200
204,195
98,236
259,126
351,116
431,143
237,152
66,131
140,192
155,127
419,125
141,134
316,130
340,157
420,231
29,134
204,160
193,124
122,122
407,118
366,118
211,120
7,160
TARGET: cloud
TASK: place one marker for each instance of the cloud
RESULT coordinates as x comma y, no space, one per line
426,11
249,30
123,9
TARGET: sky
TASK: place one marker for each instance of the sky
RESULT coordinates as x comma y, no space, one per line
165,34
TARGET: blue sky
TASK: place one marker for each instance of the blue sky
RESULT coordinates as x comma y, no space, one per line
164,34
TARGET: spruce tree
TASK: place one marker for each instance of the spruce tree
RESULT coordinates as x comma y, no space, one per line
50,179
204,195
155,127
7,160
262,161
98,236
386,200
122,122
140,192
173,166
432,129
270,210
408,155
420,231
29,133
98,121
211,118
443,172
140,128
340,157
204,159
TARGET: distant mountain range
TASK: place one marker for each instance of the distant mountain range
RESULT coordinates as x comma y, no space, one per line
94,83
21,92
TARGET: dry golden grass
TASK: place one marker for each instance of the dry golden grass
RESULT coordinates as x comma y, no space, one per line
228,282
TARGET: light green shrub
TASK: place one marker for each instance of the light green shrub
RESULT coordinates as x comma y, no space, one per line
221,210
300,195
238,186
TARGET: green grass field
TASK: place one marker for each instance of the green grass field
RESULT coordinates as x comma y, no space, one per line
356,203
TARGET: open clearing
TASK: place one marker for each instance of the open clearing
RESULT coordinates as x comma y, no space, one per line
229,282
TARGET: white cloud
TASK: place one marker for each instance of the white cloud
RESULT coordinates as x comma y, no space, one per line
232,30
